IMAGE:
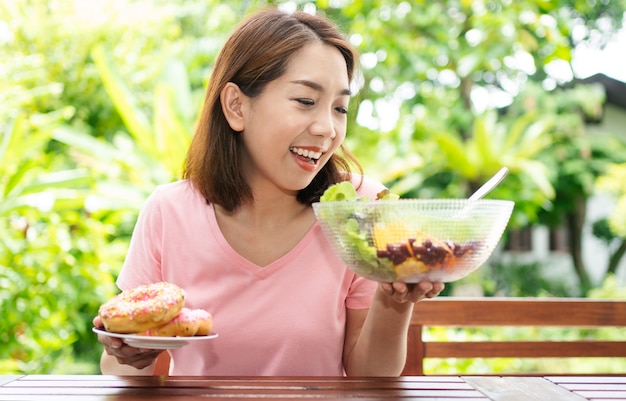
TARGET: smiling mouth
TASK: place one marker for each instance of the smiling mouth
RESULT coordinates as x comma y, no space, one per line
305,154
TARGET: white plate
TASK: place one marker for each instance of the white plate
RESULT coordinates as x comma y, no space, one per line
154,342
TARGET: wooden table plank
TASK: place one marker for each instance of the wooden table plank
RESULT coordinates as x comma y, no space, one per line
602,395
595,386
243,383
239,379
146,397
193,388
173,393
8,378
193,381
69,388
521,389
600,388
588,379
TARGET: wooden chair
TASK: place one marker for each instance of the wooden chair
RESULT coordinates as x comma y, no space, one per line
534,312
516,312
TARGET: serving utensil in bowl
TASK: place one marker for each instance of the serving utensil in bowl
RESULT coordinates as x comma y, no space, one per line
414,240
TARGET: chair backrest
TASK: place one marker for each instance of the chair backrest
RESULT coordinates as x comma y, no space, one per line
532,312
514,312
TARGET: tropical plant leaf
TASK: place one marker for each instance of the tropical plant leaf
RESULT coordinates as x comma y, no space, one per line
455,151
134,118
79,140
173,136
69,179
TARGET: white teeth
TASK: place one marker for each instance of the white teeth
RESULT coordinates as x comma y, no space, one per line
306,153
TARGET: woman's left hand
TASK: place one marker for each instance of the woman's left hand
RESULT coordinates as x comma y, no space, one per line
414,292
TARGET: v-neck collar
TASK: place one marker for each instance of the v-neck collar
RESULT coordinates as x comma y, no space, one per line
241,262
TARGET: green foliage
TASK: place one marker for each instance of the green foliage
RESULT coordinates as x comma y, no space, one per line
52,277
613,181
441,52
99,106
575,159
71,178
610,289
466,366
51,285
167,137
516,144
520,279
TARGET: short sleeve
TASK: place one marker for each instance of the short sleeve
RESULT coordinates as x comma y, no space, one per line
361,293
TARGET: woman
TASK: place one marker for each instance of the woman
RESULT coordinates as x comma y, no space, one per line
239,233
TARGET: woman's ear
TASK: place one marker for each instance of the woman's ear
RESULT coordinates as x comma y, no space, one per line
232,98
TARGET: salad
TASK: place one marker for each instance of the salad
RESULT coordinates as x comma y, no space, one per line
384,242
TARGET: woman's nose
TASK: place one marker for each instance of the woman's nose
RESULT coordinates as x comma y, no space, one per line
324,125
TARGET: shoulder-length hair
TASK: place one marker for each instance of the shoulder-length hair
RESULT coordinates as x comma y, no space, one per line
256,53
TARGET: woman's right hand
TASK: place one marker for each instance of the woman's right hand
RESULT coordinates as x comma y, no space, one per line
138,358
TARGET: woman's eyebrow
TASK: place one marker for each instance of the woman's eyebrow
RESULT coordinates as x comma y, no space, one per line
318,87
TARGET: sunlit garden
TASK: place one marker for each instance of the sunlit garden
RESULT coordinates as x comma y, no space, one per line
99,100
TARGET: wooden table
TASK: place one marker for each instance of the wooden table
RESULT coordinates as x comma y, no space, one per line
451,388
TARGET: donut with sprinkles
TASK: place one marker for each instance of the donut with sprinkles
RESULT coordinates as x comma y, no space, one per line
190,322
142,308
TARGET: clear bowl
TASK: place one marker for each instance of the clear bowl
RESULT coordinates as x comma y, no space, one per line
413,240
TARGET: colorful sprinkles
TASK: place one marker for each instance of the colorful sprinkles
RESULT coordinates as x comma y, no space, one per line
142,300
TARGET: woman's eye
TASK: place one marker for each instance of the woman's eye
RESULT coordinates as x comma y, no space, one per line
342,110
311,102
306,102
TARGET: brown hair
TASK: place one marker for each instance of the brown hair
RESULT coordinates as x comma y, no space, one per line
256,53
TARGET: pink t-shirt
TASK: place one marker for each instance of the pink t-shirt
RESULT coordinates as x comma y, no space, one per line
286,318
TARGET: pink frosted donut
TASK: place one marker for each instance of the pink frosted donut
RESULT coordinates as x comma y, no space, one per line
142,308
205,321
188,323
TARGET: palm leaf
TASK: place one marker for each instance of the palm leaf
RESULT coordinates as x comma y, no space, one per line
134,118
455,151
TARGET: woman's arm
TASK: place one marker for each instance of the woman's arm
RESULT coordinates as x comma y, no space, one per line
376,339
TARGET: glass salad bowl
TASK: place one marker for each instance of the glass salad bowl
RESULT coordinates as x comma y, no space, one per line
413,240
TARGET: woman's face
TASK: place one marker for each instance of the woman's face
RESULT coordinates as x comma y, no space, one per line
299,120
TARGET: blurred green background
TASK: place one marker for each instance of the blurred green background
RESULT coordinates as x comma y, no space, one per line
99,99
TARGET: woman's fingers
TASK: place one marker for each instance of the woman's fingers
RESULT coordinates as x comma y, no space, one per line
403,292
136,357
126,355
